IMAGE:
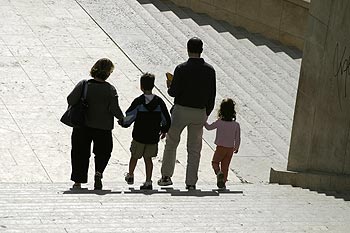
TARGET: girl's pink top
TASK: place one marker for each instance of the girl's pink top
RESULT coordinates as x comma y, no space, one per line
228,133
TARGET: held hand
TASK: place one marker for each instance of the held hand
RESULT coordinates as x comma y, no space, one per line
120,122
162,135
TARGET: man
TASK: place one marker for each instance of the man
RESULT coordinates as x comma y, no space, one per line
193,88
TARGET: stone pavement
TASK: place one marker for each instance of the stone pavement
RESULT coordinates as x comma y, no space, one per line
47,46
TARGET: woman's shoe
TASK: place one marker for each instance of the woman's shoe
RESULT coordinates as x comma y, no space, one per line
98,181
76,186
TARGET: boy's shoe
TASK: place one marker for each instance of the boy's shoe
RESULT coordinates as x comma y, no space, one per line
98,181
165,181
147,186
220,180
191,187
129,178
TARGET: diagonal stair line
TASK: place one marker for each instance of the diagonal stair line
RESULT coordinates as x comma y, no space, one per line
130,59
121,49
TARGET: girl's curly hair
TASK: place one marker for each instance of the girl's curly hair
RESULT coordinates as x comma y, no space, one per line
227,110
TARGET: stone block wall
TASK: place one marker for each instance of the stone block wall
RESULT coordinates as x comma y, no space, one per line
320,142
282,20
321,128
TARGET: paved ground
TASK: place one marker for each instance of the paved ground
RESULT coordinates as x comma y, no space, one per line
47,46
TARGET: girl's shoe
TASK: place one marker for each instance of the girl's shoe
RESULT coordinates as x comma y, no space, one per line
191,187
98,181
147,185
220,180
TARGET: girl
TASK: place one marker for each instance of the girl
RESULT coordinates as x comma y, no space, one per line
228,139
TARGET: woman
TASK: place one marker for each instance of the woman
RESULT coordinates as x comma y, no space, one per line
103,106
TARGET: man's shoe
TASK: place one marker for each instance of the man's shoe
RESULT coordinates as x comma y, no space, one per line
98,181
165,181
220,180
147,186
129,178
191,187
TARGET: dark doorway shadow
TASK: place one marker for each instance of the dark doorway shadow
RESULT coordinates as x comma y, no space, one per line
222,26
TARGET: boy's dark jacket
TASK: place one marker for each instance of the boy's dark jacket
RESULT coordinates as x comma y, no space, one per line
150,119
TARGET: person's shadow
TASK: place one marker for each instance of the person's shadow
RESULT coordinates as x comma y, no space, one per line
171,191
87,191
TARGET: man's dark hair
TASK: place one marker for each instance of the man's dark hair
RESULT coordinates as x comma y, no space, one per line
195,45
147,81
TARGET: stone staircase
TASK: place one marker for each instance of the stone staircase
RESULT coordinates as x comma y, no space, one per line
245,208
46,46
260,75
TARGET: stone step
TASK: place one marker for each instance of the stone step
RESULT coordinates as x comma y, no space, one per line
253,62
52,207
253,42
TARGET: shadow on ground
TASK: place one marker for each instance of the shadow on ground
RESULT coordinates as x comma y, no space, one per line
222,26
171,191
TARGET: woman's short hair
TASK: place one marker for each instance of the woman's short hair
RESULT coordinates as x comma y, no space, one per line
147,81
102,69
195,45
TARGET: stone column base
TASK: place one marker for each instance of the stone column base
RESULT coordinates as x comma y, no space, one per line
312,180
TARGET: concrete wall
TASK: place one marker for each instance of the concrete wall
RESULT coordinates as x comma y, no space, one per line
320,142
282,20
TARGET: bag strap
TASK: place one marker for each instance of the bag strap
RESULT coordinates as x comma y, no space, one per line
84,91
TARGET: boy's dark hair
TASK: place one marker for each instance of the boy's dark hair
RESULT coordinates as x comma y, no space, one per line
195,45
102,69
147,81
227,110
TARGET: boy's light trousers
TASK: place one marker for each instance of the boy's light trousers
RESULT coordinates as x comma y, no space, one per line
193,119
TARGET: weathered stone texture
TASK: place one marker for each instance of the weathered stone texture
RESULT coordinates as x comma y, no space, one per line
283,20
320,137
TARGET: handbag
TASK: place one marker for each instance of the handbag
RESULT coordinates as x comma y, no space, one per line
75,114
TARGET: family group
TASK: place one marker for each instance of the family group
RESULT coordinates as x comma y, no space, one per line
193,86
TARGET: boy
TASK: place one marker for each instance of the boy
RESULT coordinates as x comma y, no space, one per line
152,120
